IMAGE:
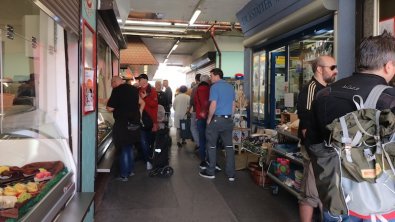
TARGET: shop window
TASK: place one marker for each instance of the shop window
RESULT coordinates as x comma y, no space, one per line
258,86
32,67
387,16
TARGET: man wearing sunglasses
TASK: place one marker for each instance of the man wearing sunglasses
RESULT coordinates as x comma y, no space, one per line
375,66
325,70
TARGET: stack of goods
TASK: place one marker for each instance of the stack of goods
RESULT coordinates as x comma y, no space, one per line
103,130
22,187
298,179
258,175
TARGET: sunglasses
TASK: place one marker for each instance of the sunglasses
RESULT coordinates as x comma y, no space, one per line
332,67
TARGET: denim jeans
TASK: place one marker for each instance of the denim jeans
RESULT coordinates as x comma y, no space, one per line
126,161
201,126
146,144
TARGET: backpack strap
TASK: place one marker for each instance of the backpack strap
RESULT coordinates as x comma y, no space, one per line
374,95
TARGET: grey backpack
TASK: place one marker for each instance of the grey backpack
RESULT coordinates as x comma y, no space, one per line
362,149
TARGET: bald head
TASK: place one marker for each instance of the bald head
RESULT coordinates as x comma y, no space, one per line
325,69
116,81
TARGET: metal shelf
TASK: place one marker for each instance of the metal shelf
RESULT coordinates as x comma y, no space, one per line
289,156
283,185
288,134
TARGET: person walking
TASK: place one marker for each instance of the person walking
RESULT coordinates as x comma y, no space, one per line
192,111
375,66
127,107
325,71
181,104
150,97
201,101
169,96
220,124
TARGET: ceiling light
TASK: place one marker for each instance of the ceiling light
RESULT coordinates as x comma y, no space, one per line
165,60
163,35
156,29
148,23
174,47
195,16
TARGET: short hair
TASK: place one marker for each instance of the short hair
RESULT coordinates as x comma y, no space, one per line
217,72
376,51
204,78
183,89
197,77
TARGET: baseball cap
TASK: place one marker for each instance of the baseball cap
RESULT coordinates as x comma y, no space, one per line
142,76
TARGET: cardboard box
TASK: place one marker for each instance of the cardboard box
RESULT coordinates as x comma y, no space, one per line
242,159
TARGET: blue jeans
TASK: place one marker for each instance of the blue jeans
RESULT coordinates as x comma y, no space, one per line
146,144
201,126
126,161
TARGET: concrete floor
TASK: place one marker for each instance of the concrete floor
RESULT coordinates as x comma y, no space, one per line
188,197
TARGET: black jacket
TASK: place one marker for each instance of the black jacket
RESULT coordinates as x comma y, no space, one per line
304,104
336,100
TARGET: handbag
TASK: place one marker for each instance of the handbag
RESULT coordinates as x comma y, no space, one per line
133,127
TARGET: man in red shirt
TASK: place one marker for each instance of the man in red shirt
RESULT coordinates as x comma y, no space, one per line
150,97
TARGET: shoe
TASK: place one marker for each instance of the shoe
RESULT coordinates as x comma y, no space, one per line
206,175
131,174
179,144
184,142
231,179
123,179
149,166
217,168
203,165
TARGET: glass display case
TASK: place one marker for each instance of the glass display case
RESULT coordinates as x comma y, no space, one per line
105,122
37,170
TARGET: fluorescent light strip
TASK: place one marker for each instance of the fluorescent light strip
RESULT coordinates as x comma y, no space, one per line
156,29
174,47
195,25
163,35
195,16
165,61
147,23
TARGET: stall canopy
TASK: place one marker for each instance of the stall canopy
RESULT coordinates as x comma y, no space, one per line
137,53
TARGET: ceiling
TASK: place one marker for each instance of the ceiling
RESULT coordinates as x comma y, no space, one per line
219,13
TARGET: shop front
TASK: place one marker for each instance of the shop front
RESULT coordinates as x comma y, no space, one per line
281,41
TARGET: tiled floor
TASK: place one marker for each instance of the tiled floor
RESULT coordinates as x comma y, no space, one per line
188,197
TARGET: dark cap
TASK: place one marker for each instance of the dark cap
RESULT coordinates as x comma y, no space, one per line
142,76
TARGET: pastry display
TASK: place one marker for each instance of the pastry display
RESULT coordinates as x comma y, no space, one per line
20,188
21,185
23,197
43,175
32,187
7,202
9,191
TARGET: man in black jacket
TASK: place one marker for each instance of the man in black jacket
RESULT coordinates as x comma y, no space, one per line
376,65
127,106
325,70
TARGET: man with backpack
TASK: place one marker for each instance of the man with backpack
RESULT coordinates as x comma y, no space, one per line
376,66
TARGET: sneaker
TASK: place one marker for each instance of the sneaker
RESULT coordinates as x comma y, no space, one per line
231,179
184,142
149,166
179,144
131,174
203,165
123,179
206,175
217,168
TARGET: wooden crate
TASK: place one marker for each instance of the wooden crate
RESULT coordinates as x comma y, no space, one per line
288,117
242,159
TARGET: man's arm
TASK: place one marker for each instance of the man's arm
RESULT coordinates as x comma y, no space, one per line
211,110
109,109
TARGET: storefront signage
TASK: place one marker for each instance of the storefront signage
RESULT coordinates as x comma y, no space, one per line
260,11
88,11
